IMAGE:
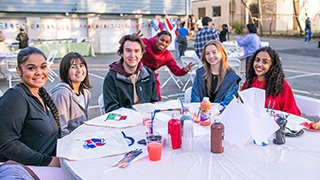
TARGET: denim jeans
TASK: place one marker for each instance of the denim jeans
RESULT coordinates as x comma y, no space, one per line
308,35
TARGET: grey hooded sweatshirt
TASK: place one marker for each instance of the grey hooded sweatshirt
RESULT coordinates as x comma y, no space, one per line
72,114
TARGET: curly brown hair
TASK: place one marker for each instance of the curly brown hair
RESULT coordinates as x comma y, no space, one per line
274,77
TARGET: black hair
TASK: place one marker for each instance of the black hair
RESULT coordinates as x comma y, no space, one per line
252,28
22,57
205,21
65,65
133,38
274,77
165,33
182,24
225,25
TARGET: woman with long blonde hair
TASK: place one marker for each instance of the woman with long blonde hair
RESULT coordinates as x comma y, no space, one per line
216,79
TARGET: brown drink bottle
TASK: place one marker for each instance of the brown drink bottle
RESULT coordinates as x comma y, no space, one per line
217,136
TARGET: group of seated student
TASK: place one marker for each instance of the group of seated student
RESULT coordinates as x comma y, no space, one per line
31,121
218,81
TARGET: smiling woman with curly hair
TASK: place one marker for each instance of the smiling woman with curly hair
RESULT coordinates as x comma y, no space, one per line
265,72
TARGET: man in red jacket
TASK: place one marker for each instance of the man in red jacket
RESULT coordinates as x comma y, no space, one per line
157,55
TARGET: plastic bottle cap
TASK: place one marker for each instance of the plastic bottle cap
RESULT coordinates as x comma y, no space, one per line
205,98
217,119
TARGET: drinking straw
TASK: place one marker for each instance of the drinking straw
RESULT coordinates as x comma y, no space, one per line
151,128
268,105
181,103
272,106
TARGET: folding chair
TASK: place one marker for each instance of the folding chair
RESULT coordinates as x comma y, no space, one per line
236,64
264,44
50,60
187,95
230,46
185,61
101,104
308,106
11,64
192,53
175,79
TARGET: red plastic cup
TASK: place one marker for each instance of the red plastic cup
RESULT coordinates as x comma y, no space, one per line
154,146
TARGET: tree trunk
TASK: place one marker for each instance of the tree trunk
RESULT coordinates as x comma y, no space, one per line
296,14
250,14
260,17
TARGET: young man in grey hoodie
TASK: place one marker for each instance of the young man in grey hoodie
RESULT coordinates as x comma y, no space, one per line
129,82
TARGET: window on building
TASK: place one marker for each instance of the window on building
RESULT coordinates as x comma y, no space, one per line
216,10
202,12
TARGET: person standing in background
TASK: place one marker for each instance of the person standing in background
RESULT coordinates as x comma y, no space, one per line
206,34
250,43
176,44
223,33
2,37
23,39
308,31
182,39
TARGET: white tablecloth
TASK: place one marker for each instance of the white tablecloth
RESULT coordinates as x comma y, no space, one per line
298,158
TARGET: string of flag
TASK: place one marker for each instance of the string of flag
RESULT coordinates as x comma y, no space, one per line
162,24
284,17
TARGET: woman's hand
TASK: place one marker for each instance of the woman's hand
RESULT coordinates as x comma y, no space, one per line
188,68
54,162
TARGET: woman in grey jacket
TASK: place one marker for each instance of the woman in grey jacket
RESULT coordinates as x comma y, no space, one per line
71,96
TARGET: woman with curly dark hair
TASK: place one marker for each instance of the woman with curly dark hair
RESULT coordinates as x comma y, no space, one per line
265,72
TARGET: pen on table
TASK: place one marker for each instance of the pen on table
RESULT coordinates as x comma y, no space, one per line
235,97
268,105
239,97
272,106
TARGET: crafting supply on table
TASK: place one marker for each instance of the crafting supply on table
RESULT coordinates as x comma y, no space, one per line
205,112
217,136
174,132
128,157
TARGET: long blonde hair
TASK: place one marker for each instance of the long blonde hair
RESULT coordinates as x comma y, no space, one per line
224,66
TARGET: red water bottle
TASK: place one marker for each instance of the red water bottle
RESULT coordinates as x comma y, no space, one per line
174,130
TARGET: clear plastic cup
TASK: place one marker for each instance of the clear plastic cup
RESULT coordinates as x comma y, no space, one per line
154,146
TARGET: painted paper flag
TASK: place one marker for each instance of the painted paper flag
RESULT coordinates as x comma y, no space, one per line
91,145
118,117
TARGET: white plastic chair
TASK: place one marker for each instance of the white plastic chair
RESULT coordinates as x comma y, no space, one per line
192,53
185,61
308,106
187,95
101,104
50,59
235,63
11,64
264,44
175,79
230,46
